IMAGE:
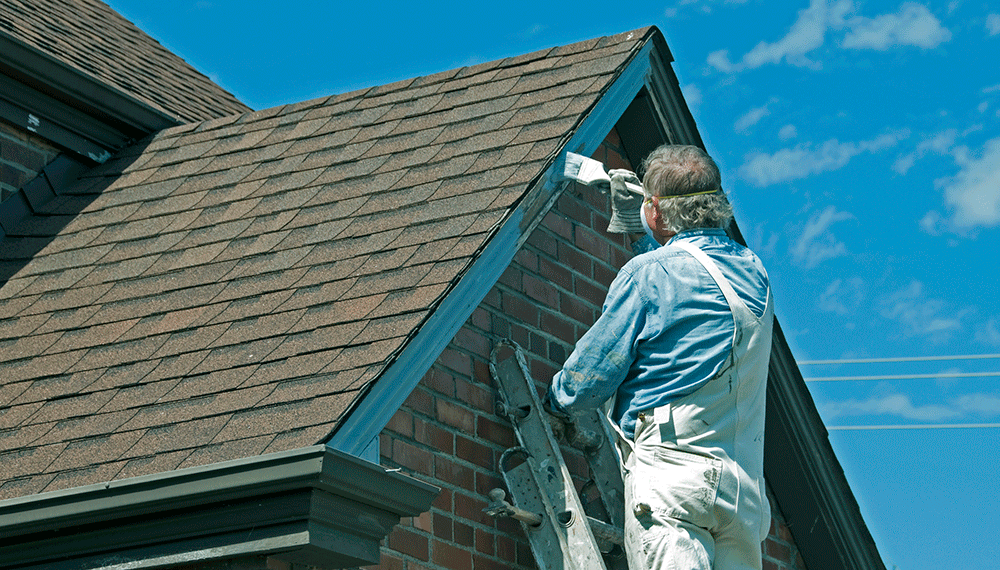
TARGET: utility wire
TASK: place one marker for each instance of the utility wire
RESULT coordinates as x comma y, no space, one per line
898,359
902,376
914,426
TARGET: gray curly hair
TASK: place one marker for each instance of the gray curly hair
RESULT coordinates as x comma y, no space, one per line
690,187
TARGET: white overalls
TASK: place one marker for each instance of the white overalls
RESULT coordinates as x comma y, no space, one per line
693,474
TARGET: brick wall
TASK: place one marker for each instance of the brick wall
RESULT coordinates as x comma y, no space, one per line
22,157
448,432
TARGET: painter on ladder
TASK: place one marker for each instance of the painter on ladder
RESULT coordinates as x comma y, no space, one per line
681,351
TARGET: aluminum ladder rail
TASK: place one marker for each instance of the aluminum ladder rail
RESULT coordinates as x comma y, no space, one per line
544,499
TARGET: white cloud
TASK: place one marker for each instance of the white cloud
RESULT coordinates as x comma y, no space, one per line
788,132
900,405
752,117
921,316
817,243
912,25
692,96
804,159
993,24
941,143
973,195
988,333
843,297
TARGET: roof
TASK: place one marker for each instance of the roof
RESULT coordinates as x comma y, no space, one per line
229,288
93,39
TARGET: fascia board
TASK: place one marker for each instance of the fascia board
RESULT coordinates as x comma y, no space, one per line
285,501
372,412
77,89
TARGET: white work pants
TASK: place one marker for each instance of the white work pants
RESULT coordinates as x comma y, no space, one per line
672,500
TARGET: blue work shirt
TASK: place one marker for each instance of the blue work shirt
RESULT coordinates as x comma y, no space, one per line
665,329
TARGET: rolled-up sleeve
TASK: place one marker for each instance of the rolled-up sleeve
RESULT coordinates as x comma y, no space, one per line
603,356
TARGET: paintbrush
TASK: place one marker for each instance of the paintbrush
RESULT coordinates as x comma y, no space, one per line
590,172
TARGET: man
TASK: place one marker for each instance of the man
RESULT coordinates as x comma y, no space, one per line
681,349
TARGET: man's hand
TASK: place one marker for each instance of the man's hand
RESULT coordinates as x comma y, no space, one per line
625,205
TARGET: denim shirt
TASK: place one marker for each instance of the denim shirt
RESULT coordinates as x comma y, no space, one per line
665,329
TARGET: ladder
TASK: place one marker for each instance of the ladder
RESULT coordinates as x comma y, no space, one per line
543,497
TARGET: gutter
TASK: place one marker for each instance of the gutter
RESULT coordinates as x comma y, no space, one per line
312,506
71,108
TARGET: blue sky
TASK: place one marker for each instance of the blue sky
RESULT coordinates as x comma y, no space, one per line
860,144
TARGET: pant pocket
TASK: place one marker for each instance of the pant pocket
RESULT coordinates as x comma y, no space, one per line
679,484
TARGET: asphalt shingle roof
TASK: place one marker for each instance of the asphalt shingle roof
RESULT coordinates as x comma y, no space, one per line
227,288
91,37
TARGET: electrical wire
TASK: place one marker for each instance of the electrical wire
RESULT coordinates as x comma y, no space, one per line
903,376
898,359
913,426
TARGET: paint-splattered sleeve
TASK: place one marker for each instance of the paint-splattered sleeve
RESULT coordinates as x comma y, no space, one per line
603,356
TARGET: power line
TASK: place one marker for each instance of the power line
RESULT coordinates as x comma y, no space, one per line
902,376
898,359
914,426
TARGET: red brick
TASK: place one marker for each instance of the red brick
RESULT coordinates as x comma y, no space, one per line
616,161
485,543
477,395
412,457
473,341
451,557
544,242
520,309
555,273
559,327
401,423
542,291
591,292
777,550
577,261
449,471
420,400
527,259
577,309
457,361
559,225
604,274
455,416
481,319
591,243
434,436
410,543
484,563
519,334
442,526
481,371
494,432
388,562
542,371
471,507
464,535
571,205
443,501
511,277
487,481
440,381
474,452
506,548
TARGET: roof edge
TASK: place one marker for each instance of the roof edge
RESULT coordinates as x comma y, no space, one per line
311,505
357,433
62,87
